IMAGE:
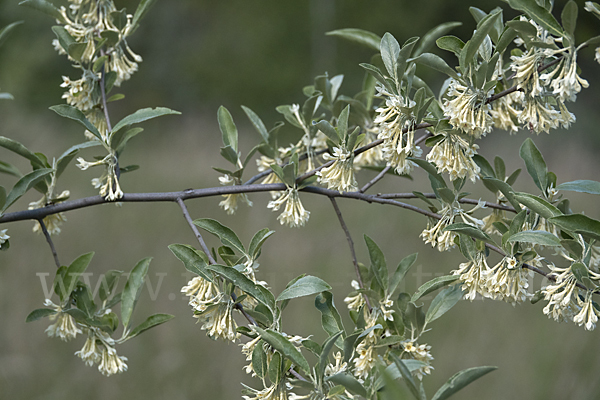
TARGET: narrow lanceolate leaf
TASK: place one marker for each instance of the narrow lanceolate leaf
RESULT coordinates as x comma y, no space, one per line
257,123
142,115
330,317
70,153
444,301
378,263
538,205
284,346
45,7
406,374
460,380
433,285
539,14
430,37
390,50
324,357
578,223
534,161
21,150
469,230
150,322
140,12
436,62
304,286
540,238
5,32
73,113
349,382
259,360
133,289
39,313
245,284
483,29
365,38
193,260
227,236
257,241
401,271
583,186
24,184
228,129
569,17
72,274
505,189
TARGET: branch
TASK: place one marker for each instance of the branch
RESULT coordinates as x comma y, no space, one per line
103,94
50,242
351,244
433,196
186,214
376,179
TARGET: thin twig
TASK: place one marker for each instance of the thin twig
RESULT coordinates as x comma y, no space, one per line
351,244
50,242
433,196
376,179
186,214
103,94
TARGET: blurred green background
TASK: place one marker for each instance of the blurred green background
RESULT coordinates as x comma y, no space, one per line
197,56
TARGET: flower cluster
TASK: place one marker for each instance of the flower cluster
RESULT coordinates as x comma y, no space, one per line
3,237
454,155
444,240
467,109
294,214
99,348
339,175
230,203
420,353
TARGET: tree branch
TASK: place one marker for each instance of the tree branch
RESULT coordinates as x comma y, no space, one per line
187,217
50,242
351,244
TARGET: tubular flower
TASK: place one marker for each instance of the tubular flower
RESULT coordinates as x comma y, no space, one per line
488,221
218,321
508,281
371,157
90,353
367,356
444,240
273,392
526,71
357,301
230,203
65,326
419,353
3,237
588,313
563,79
473,275
294,214
396,128
504,114
538,115
467,110
111,363
247,350
202,293
264,164
81,93
561,295
453,155
339,175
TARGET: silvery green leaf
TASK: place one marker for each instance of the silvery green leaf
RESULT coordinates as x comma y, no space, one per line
432,36
450,43
583,186
72,274
8,168
304,286
259,360
408,378
40,313
469,230
122,137
259,292
229,154
324,356
538,205
433,285
274,369
25,184
460,380
5,32
506,39
540,238
378,75
257,123
401,271
45,7
64,37
349,382
390,50
108,284
257,241
506,190
284,346
539,14
75,114
578,223
365,38
142,115
472,46
330,317
444,301
192,259
436,62
342,123
150,322
140,12
329,131
70,153
378,264
133,289
227,236
534,161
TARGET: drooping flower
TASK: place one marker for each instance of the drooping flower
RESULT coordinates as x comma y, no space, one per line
508,281
90,353
467,109
230,203
3,236
294,214
453,155
339,175
371,157
367,357
588,314
505,112
488,221
473,275
81,93
273,392
219,322
561,295
111,363
396,128
538,115
247,350
526,67
444,240
563,79
65,327
264,164
355,302
419,353
202,293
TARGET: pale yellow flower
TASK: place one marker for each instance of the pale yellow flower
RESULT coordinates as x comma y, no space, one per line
467,109
294,214
454,155
339,175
